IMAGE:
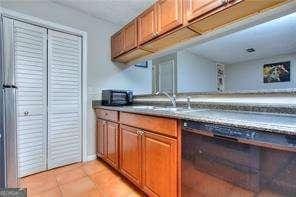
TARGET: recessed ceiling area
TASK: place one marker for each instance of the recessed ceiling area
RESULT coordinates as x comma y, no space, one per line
118,12
276,37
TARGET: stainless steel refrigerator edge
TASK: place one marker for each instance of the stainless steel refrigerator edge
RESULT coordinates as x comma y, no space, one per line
2,171
8,107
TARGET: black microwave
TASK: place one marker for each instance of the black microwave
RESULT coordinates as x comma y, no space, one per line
117,97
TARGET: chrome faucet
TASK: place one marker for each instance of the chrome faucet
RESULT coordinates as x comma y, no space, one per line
172,98
188,102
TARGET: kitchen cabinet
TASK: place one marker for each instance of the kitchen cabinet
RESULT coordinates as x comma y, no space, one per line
107,115
147,25
142,148
130,149
169,15
159,165
161,125
168,22
107,141
107,136
149,160
101,132
132,55
130,36
112,143
117,44
232,11
196,8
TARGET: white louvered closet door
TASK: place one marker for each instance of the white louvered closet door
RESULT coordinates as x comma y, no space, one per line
30,61
64,99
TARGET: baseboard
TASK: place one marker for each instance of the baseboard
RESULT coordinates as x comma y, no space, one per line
91,157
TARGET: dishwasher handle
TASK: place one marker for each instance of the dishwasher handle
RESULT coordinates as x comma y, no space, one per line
225,138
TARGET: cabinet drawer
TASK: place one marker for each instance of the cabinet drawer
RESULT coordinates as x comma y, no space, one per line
160,125
107,114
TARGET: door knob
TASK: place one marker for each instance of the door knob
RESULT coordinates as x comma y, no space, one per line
26,113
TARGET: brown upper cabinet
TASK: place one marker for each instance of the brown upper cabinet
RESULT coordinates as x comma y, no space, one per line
168,22
147,25
124,40
169,15
130,36
117,44
196,8
160,18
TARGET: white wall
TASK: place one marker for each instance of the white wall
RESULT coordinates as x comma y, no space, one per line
102,72
248,75
195,73
135,78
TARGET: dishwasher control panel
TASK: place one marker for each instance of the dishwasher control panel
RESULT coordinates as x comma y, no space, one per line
255,137
221,130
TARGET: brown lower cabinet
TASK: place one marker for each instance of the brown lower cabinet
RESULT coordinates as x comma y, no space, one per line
146,157
159,166
101,132
107,142
112,143
149,160
130,151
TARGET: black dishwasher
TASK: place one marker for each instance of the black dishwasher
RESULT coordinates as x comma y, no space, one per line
219,160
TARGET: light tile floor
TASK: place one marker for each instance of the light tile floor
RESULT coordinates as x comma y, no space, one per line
90,179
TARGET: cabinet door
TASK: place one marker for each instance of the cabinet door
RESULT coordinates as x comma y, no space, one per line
101,132
112,144
169,15
197,8
130,153
147,22
159,173
130,36
117,44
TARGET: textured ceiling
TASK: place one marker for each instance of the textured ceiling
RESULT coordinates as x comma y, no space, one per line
118,12
269,39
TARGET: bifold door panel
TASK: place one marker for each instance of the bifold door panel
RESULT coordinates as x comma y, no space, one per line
64,99
30,60
47,71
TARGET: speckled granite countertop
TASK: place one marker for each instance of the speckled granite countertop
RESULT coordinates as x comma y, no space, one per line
270,122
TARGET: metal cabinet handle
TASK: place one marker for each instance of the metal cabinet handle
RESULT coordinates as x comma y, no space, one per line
26,113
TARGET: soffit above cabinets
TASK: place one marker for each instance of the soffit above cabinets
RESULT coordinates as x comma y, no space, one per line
118,12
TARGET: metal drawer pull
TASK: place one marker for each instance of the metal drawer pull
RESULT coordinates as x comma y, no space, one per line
26,113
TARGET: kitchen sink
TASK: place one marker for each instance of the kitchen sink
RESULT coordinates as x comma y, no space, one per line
143,107
169,109
173,109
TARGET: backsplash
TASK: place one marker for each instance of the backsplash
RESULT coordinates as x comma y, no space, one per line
278,101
